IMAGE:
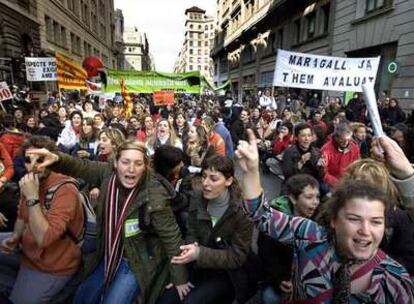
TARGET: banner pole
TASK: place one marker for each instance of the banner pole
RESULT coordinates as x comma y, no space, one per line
2,107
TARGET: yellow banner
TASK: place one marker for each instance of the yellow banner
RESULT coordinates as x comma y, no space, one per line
70,75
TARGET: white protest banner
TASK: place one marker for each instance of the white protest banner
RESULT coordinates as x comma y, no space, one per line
5,92
41,69
300,70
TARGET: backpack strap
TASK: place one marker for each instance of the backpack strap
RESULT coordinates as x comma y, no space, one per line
360,272
52,190
48,203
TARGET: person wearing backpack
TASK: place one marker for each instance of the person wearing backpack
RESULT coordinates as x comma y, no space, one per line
137,234
42,241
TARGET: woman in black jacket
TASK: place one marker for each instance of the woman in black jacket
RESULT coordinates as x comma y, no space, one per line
393,114
302,157
219,238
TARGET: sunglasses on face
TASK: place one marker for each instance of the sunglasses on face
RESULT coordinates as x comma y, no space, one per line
39,160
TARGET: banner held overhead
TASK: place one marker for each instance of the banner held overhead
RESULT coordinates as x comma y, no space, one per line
40,69
329,73
164,98
150,82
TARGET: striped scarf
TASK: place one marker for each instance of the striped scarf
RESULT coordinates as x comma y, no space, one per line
115,214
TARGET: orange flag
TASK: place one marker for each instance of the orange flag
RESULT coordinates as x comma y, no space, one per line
70,75
127,98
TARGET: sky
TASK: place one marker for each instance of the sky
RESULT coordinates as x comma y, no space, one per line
163,22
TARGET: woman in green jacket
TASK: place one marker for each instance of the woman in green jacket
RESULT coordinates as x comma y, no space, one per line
136,230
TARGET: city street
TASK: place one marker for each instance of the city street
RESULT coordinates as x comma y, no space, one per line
105,104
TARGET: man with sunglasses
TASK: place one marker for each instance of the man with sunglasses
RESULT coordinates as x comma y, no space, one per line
42,242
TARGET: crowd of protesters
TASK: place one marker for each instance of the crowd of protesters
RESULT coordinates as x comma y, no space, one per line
181,216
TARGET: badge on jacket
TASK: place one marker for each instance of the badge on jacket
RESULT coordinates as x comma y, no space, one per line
131,227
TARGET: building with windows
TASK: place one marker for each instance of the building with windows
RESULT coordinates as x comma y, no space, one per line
136,50
249,33
19,37
198,39
78,28
119,39
379,28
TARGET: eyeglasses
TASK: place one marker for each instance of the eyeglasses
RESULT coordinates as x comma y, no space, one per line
39,160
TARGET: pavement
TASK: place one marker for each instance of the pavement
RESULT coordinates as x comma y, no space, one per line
272,186
270,182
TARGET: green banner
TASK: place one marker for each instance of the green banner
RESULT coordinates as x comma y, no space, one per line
150,82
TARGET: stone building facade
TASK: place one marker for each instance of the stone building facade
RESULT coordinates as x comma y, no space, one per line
19,37
136,50
250,32
379,28
78,28
198,40
119,39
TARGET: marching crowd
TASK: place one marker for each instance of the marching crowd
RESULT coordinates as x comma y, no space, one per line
165,205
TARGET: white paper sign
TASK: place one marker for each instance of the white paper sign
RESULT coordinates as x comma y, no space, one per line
372,107
5,92
329,73
40,69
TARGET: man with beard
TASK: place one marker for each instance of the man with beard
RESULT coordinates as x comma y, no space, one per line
45,230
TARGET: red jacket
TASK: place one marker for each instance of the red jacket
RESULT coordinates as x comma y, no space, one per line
280,145
336,161
218,143
321,125
12,141
7,162
58,254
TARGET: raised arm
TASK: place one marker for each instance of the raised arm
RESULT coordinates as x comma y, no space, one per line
248,160
276,224
92,172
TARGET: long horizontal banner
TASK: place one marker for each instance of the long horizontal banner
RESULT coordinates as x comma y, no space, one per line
150,82
40,69
317,72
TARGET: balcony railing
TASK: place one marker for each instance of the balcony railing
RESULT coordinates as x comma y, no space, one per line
251,17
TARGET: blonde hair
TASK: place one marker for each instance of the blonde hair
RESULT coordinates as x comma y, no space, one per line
374,172
115,136
356,125
173,136
132,145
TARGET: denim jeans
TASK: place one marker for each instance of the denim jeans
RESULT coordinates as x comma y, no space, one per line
26,285
124,287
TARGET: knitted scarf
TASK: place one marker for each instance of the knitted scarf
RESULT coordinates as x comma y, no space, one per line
115,214
343,278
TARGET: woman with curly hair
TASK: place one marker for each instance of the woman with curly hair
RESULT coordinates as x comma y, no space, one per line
88,142
109,140
165,135
197,148
180,124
